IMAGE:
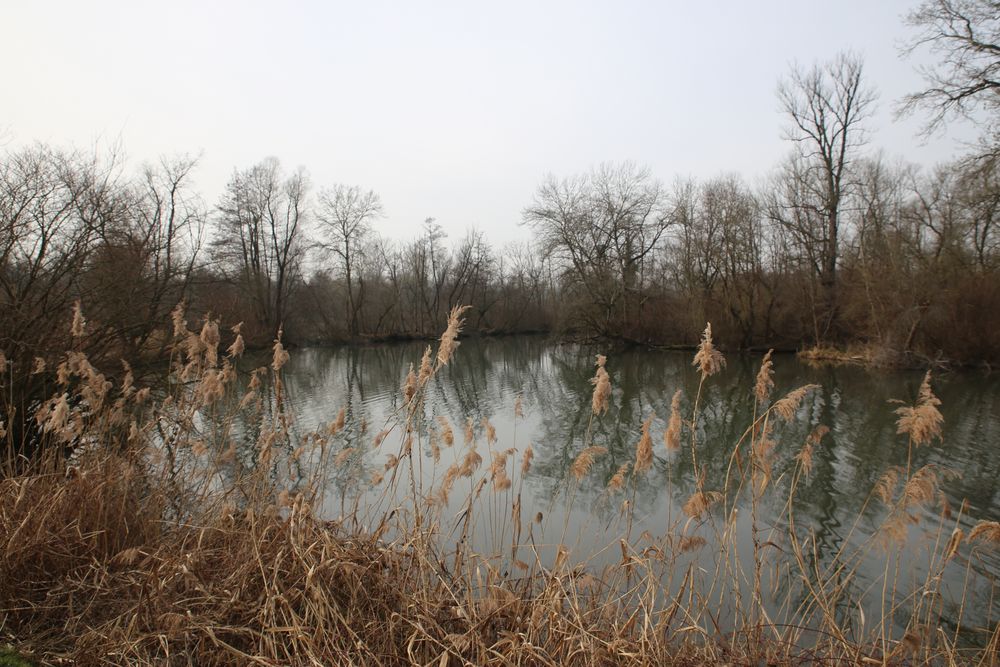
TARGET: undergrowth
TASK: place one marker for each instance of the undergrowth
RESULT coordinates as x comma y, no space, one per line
190,524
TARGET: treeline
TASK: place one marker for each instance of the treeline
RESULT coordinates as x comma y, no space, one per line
95,260
913,271
274,253
309,260
908,263
841,245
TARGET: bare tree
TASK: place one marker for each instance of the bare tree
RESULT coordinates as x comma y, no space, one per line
76,227
602,227
345,215
980,196
430,264
44,246
735,210
826,106
965,35
934,216
696,251
524,285
146,252
473,265
260,240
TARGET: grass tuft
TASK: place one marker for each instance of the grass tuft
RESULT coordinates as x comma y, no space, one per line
158,541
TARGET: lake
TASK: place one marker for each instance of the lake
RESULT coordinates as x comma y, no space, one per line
833,503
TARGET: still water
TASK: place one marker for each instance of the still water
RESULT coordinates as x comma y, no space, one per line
834,502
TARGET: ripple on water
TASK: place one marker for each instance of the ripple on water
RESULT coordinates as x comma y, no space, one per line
486,376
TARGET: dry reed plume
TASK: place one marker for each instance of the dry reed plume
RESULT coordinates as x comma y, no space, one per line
449,339
921,421
602,387
708,359
765,379
672,435
158,541
617,482
582,464
644,448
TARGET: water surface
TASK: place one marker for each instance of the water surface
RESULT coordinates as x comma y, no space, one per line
834,502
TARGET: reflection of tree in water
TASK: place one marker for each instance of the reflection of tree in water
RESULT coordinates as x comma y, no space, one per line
854,403
486,376
363,381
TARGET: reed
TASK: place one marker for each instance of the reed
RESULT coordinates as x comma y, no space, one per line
142,534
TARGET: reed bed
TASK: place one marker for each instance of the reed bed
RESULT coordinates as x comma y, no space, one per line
153,527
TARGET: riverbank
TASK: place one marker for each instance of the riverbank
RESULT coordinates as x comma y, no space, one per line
93,575
875,356
144,534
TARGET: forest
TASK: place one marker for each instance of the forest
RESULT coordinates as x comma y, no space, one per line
183,482
842,246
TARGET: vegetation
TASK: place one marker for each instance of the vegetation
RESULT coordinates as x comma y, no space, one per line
193,526
965,37
842,245
157,504
9,658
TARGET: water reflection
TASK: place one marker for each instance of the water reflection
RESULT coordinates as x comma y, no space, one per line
833,503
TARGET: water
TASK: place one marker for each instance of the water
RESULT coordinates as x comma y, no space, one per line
834,502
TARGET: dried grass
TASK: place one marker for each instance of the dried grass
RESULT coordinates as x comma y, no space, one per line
700,502
526,459
787,406
986,531
602,387
644,448
805,455
79,325
111,561
921,421
765,379
708,359
617,481
672,435
449,339
582,464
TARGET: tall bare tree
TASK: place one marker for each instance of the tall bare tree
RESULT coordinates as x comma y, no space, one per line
44,248
602,228
965,36
826,106
146,253
74,227
260,242
345,215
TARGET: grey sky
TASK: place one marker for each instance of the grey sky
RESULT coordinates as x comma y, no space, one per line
454,110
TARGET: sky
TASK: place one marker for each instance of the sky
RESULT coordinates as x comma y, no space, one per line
450,110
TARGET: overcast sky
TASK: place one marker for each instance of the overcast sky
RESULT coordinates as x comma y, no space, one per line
452,110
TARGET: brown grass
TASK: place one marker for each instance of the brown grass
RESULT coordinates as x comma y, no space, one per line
708,359
644,448
581,466
155,543
672,435
602,387
922,420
